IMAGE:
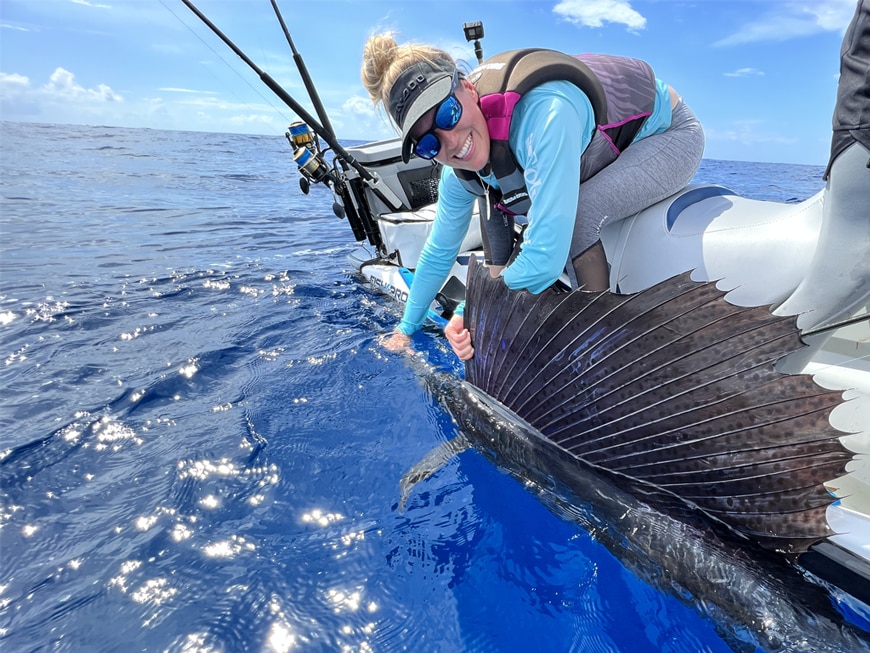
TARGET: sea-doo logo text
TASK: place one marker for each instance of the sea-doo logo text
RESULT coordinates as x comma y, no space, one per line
475,74
408,91
388,289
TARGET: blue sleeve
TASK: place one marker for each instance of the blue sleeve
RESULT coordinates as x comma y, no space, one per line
551,127
452,217
660,119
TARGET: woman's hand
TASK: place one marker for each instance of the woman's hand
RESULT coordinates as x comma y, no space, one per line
396,341
459,338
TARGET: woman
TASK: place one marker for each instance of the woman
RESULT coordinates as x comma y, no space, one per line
570,156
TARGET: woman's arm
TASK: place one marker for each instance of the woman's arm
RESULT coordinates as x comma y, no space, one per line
550,129
452,217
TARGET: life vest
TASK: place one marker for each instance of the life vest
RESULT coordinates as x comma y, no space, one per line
622,92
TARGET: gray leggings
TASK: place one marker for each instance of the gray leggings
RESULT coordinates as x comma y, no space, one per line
649,170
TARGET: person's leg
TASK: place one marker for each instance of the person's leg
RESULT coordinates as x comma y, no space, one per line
646,172
591,270
497,231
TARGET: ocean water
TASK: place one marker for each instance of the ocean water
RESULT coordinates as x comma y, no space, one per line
202,440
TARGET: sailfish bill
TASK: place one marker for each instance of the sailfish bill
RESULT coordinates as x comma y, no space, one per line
672,386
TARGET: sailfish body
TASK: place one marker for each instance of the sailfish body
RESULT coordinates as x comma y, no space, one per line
659,422
754,597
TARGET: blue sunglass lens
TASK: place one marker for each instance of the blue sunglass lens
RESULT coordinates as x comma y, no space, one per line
428,146
448,114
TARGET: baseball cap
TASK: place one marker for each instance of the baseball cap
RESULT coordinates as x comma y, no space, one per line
417,89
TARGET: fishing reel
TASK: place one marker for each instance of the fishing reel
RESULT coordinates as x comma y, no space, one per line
307,155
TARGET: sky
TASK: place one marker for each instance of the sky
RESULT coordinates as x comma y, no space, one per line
760,74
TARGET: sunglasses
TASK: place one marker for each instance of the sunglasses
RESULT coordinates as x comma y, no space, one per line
447,116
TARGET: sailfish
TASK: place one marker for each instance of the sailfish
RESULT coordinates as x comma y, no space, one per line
659,421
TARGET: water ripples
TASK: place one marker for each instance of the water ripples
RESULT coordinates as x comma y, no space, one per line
203,443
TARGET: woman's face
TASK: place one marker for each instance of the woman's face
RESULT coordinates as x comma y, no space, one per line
466,146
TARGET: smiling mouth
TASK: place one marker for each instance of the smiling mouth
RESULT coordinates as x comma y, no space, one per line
461,154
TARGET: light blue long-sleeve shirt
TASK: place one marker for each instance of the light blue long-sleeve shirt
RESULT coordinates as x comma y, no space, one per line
551,127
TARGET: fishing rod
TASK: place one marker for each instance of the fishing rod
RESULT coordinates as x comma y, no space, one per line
303,72
278,90
313,95
373,180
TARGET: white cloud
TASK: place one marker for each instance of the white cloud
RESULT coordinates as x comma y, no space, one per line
358,105
214,103
170,89
60,99
90,4
62,86
359,119
831,16
594,13
745,72
13,82
788,20
257,119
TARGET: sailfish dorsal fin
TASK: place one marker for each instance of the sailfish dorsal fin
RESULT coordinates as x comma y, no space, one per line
673,386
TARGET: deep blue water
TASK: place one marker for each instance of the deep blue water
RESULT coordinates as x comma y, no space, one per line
202,440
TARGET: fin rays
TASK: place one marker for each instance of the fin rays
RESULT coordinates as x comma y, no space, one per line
673,386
